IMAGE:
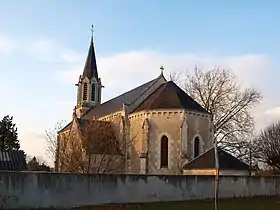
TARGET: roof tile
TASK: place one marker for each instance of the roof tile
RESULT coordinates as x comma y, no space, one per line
170,96
116,103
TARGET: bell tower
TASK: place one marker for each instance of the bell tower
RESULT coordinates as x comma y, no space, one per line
89,84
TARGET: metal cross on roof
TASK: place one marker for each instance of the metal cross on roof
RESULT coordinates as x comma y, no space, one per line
161,68
92,33
92,30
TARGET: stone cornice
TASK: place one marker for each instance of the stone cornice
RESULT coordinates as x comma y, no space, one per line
111,116
164,112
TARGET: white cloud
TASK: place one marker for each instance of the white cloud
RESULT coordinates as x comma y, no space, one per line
6,45
264,116
69,74
70,56
275,111
65,103
138,66
43,50
43,45
123,71
50,51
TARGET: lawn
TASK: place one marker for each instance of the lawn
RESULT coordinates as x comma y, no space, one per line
229,204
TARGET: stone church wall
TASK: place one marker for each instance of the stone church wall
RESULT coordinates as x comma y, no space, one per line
169,123
25,190
160,123
136,137
164,122
199,126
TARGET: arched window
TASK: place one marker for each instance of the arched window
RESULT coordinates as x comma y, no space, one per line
85,92
196,147
164,152
93,92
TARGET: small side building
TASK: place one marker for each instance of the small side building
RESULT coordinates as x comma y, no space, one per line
229,165
12,160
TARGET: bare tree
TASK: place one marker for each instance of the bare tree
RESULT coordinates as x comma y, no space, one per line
218,92
267,145
98,146
71,153
51,140
175,76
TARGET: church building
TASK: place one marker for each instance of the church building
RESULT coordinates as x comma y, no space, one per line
162,126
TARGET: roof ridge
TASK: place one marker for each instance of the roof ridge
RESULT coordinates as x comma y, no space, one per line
155,80
172,96
153,100
200,155
151,81
227,153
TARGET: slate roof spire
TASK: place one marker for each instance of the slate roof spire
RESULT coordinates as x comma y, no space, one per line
90,69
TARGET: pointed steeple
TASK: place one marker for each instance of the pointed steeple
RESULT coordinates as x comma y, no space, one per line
89,85
90,68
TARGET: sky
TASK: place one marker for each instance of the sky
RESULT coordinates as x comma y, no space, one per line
43,47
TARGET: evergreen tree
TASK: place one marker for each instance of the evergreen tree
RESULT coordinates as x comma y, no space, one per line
35,165
8,134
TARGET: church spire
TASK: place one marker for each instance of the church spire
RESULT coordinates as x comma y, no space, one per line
90,68
89,85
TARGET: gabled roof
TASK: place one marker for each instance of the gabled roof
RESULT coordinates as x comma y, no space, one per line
170,96
12,160
116,104
90,69
207,161
66,128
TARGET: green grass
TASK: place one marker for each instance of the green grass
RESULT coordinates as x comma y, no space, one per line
229,204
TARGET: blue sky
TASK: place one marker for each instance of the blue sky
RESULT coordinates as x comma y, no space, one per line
43,45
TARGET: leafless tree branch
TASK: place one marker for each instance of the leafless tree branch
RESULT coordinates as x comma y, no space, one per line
267,145
96,147
51,140
218,92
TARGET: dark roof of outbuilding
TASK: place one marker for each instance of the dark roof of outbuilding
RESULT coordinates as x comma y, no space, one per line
12,160
170,96
207,161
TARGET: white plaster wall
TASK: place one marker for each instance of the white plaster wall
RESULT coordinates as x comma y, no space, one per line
38,190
